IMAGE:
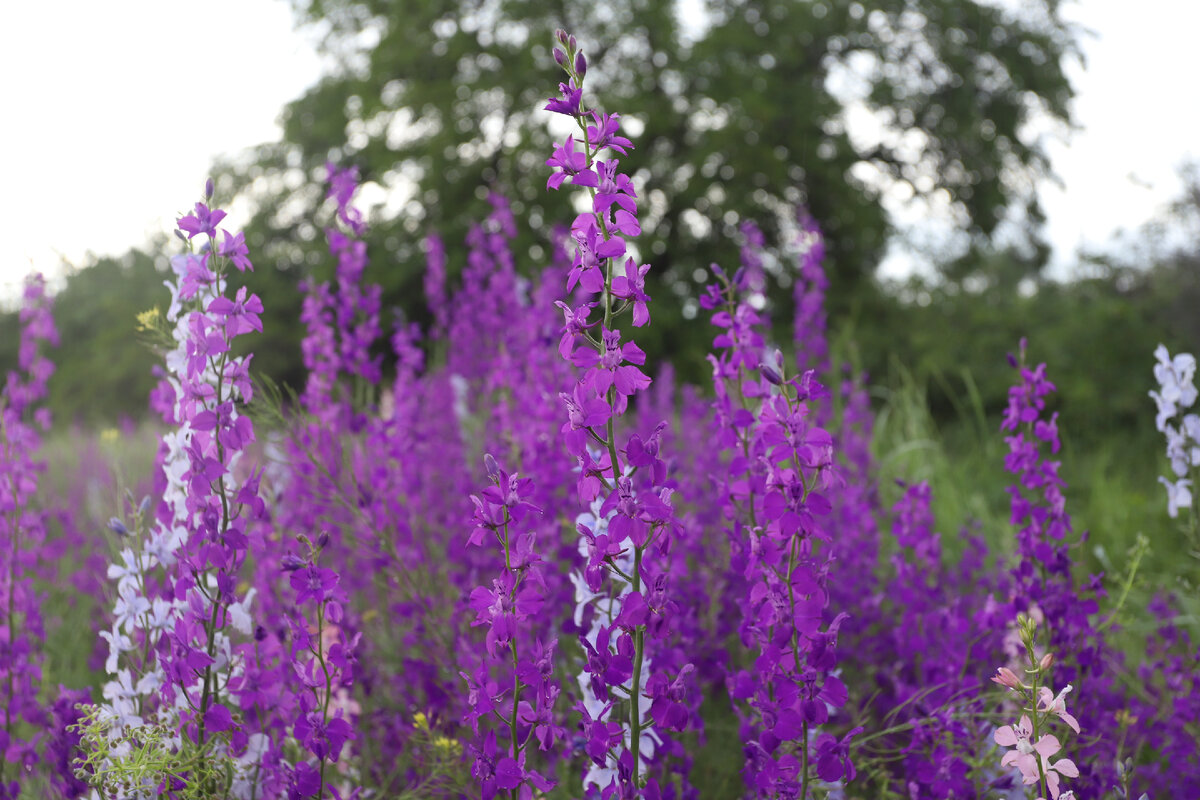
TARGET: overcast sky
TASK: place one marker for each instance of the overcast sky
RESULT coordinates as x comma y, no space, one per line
114,112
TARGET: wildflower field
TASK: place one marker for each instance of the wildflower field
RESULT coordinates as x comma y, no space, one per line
524,562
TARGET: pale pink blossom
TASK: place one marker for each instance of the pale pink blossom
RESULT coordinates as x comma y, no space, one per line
1056,704
1026,754
1064,766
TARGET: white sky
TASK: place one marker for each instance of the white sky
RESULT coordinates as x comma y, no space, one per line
113,112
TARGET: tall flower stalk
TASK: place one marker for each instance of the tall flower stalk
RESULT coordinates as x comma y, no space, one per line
624,583
172,648
1174,397
524,702
22,533
778,474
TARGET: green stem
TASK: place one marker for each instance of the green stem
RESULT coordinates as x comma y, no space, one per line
804,762
635,686
1034,715
512,725
320,653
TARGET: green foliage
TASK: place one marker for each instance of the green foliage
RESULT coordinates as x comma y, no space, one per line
1098,335
140,762
101,372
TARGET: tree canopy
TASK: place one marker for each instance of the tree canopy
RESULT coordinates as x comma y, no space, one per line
739,109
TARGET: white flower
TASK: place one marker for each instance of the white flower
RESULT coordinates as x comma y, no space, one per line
162,615
129,573
121,688
117,643
129,606
164,542
583,595
239,614
149,683
1176,390
1179,495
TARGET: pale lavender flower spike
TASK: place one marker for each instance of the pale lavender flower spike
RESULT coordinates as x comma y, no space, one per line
1176,393
1176,389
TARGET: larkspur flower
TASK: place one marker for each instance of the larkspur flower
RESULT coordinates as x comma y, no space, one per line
313,583
203,221
568,101
234,248
1056,704
1179,495
1026,753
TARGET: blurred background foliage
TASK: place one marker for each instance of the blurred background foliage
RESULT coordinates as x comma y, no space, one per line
738,113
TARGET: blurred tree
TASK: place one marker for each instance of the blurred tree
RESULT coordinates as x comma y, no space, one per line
102,372
739,109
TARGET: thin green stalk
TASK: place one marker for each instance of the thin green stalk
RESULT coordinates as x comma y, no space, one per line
635,686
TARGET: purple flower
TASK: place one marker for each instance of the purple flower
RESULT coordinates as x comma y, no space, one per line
833,757
632,287
570,163
203,221
203,343
593,248
574,324
610,370
613,187
568,100
604,133
234,248
241,314
315,583
195,271
218,718
322,739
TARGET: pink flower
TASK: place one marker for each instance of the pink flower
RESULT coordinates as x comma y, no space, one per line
1064,766
1025,756
1057,705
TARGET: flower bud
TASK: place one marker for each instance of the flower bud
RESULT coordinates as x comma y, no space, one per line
323,540
560,35
1006,677
772,377
209,189
116,526
260,633
291,563
1046,661
493,469
144,506
560,57
580,65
